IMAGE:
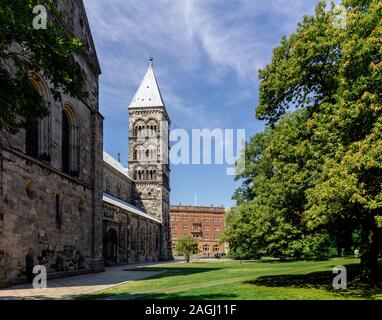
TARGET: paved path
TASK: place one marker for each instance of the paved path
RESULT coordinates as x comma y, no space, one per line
72,287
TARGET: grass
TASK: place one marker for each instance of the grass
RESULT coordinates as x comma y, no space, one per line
247,280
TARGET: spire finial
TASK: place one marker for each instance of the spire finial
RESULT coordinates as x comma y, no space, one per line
151,59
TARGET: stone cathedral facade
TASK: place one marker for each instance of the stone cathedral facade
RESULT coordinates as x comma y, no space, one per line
137,207
64,202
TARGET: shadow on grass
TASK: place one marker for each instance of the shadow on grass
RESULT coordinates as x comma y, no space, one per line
322,280
171,272
167,272
166,296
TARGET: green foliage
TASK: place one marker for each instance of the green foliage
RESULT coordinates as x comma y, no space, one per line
187,246
315,174
244,280
48,52
312,246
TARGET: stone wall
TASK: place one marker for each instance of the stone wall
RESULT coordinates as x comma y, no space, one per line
137,237
117,183
49,217
2,270
152,195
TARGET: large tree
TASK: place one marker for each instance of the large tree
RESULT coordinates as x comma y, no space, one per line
23,49
325,171
187,246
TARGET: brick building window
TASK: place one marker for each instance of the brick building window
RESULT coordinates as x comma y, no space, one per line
185,227
196,227
216,248
217,237
207,228
206,219
217,228
206,248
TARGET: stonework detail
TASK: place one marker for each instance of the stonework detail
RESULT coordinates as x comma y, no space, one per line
51,216
149,125
66,204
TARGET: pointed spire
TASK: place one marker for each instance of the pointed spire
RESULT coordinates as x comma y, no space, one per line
148,93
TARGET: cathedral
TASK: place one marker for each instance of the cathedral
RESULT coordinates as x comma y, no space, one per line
67,204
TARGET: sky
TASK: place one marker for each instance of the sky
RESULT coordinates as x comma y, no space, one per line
207,54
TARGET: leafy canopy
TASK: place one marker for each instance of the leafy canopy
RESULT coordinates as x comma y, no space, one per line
316,171
24,49
187,246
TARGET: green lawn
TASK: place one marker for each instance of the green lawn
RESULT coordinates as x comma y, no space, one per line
249,280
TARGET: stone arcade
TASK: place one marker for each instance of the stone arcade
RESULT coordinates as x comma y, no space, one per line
66,204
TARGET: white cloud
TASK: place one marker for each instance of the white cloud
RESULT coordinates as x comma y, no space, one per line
212,41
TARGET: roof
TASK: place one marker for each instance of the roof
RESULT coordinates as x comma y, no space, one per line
115,164
127,206
197,209
148,94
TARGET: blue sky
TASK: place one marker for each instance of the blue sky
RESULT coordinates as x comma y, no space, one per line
207,54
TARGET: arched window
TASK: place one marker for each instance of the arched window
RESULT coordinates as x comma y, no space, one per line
216,248
206,248
118,191
58,212
139,175
147,153
38,135
135,155
151,127
65,147
31,140
69,141
108,184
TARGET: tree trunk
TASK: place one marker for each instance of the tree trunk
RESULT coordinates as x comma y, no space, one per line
371,249
187,258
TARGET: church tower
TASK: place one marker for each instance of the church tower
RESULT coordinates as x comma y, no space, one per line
149,125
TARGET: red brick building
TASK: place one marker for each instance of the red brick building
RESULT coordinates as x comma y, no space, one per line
204,223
